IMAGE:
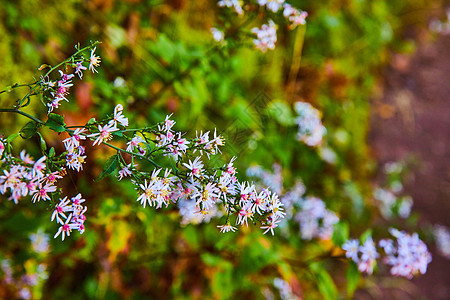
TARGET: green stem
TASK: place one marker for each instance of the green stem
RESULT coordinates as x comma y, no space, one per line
16,85
52,69
15,110
138,155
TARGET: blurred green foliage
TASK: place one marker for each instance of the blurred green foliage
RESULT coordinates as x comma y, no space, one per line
159,57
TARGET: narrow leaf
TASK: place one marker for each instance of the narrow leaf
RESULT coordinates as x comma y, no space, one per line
110,166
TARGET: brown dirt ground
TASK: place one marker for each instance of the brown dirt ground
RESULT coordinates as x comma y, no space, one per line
412,119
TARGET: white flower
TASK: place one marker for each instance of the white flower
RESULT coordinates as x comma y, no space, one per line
295,16
271,225
74,140
94,61
196,167
118,117
135,141
217,34
310,128
266,36
66,228
273,5
226,228
60,208
351,247
104,134
232,3
125,172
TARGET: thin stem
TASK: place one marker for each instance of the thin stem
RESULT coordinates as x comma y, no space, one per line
15,110
16,85
38,83
138,155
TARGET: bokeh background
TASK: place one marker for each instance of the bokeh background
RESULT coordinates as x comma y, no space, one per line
377,71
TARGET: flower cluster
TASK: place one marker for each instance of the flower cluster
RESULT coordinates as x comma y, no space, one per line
273,5
310,128
315,220
442,238
232,3
202,194
407,255
22,287
59,89
40,242
295,16
23,176
75,152
390,204
266,36
75,218
389,198
273,180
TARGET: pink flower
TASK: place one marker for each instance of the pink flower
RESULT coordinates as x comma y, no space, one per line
42,192
273,224
79,69
104,134
59,210
196,167
66,228
135,141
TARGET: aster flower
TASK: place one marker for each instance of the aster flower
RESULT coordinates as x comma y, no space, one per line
273,223
61,207
118,117
295,16
368,257
104,134
351,247
42,192
150,192
79,68
38,167
94,61
74,140
226,228
196,167
125,171
135,141
66,228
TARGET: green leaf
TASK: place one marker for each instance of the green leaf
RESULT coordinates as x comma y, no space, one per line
340,233
51,152
29,130
324,281
110,166
91,121
43,143
12,137
363,238
56,122
353,276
